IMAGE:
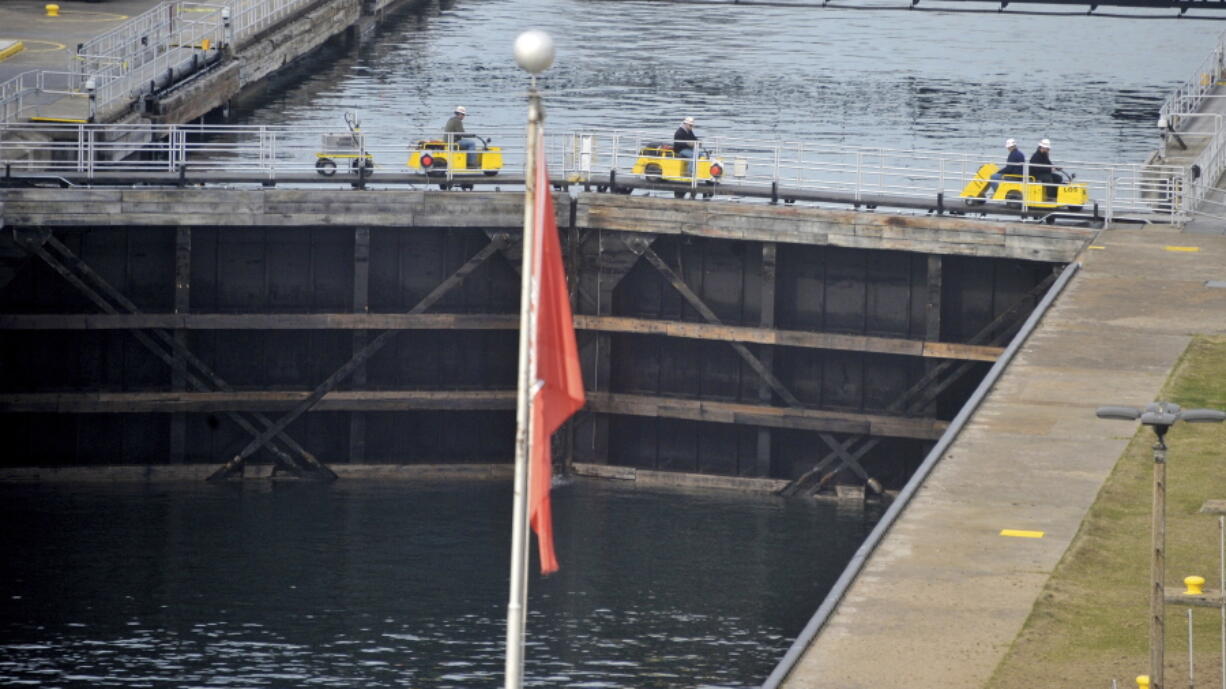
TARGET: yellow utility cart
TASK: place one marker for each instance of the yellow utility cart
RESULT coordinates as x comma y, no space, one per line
344,149
1012,190
660,163
437,157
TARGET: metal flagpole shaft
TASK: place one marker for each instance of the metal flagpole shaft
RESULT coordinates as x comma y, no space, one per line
518,600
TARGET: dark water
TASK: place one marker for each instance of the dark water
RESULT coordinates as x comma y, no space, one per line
945,81
362,584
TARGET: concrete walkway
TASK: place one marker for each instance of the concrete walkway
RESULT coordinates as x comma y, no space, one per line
942,598
50,42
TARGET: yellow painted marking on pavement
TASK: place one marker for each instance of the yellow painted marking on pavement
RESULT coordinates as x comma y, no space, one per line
12,50
1097,247
1019,533
44,46
1184,249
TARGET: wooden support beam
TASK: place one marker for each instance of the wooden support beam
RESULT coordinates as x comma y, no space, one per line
705,311
162,344
261,321
789,338
255,400
182,302
448,321
932,311
361,305
467,400
762,415
923,391
358,359
766,321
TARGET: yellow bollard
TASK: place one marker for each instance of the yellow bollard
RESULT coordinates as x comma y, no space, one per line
1196,586
53,10
204,44
1142,681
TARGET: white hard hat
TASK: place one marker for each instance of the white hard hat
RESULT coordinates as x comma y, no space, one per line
1010,143
461,110
1044,144
688,120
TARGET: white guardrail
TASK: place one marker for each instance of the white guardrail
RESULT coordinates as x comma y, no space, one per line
148,52
797,170
1181,117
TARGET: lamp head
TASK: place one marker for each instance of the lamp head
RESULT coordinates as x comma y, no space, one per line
534,51
1202,415
1117,412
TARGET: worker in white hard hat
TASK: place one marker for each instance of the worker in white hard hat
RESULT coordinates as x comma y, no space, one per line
454,131
1043,170
685,141
1013,166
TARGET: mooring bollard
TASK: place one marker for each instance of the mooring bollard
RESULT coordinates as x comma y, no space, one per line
53,10
1195,584
1142,681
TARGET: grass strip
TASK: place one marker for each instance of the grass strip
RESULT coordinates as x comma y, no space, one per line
1090,624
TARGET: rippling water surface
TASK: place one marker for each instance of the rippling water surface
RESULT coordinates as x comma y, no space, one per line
361,584
947,81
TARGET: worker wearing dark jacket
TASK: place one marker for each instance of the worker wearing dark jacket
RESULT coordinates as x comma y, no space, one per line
685,141
1041,166
1042,169
1013,166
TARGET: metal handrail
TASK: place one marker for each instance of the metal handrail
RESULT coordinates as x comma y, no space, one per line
1184,105
1188,98
753,167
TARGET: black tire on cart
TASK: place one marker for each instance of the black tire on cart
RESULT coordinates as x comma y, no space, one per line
325,167
1013,199
358,163
652,173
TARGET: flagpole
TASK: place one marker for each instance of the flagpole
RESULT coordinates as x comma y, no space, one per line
534,53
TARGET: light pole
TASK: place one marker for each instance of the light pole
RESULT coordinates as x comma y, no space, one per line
1160,416
534,53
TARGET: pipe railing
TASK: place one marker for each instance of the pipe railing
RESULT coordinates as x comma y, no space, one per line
1187,99
1181,110
801,171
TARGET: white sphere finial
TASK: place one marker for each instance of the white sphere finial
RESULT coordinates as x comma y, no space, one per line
534,51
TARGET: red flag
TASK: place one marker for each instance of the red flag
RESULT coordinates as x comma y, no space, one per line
558,390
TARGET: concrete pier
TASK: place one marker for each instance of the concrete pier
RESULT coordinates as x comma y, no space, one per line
941,599
236,69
